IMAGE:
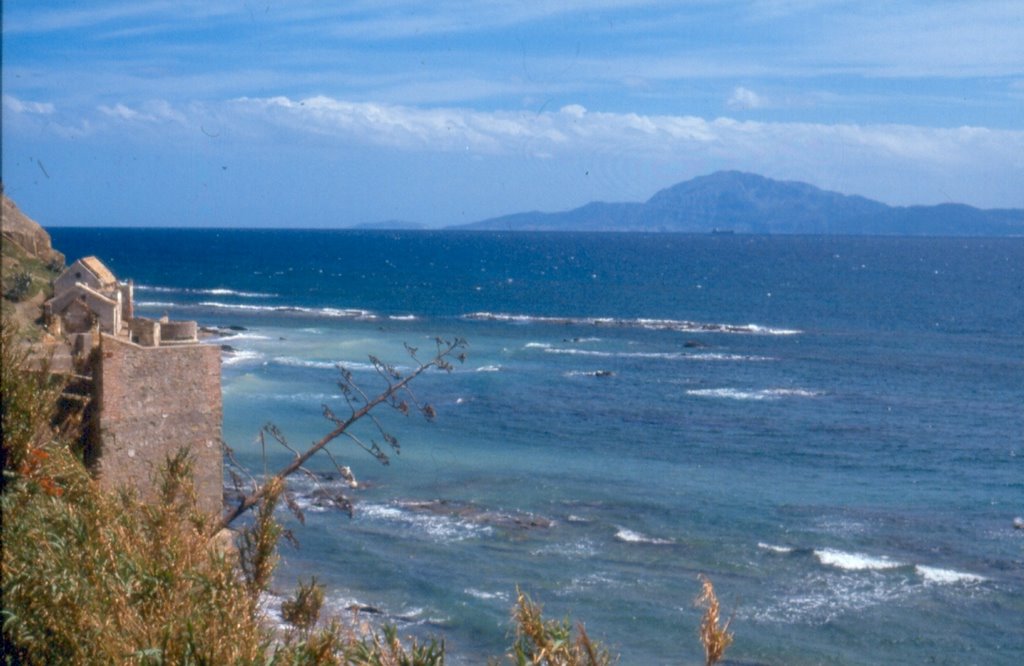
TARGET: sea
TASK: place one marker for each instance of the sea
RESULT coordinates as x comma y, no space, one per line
831,429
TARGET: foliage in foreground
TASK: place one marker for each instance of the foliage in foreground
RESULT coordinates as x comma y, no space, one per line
93,577
714,636
551,642
90,577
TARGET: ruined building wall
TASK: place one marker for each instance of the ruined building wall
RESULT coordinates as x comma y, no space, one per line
153,401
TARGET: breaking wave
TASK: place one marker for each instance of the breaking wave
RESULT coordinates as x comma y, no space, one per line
211,292
852,561
629,536
939,576
763,394
855,561
240,356
664,356
680,325
339,313
784,550
155,304
434,527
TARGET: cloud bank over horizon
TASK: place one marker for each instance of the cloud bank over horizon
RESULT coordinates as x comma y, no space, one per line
211,115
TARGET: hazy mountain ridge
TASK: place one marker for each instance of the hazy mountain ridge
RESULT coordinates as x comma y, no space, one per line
749,203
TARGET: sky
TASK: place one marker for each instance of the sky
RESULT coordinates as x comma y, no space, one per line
331,114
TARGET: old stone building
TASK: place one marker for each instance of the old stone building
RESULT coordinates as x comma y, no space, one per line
153,401
86,295
155,389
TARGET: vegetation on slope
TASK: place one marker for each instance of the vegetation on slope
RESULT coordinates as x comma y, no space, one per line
95,577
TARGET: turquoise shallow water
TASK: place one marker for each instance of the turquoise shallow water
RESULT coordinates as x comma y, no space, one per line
830,428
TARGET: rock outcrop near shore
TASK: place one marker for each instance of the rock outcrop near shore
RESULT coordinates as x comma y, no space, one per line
27,234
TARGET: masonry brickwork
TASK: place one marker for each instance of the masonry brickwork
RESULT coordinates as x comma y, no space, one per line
151,402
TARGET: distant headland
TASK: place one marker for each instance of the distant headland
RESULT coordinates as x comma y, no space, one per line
733,201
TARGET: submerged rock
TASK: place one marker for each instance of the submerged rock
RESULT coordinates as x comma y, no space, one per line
475,514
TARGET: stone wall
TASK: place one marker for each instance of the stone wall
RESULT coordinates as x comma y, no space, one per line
153,401
179,331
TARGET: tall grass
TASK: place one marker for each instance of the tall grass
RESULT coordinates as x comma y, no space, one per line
714,636
91,577
551,642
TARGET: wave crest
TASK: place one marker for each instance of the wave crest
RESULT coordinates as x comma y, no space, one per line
680,325
762,394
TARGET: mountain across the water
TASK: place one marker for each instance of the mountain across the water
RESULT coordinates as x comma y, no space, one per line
733,201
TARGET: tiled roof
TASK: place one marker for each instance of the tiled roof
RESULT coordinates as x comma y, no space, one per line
98,269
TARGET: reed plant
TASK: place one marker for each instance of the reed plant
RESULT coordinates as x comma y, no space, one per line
542,642
92,577
714,636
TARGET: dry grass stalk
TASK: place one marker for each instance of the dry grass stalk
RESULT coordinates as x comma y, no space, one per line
714,636
551,642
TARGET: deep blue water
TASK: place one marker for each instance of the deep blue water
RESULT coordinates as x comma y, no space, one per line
832,429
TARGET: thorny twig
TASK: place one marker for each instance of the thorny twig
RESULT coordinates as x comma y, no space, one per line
396,385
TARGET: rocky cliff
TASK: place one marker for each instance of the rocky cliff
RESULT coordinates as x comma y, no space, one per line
27,234
29,266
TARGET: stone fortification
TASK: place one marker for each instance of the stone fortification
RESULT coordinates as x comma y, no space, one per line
153,401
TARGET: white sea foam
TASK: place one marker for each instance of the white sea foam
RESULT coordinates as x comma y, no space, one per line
240,356
773,548
762,394
661,356
650,324
408,317
573,549
855,561
486,596
577,352
155,304
304,363
336,313
822,597
946,576
629,536
590,581
589,373
435,527
537,345
307,397
719,356
489,368
218,291
239,336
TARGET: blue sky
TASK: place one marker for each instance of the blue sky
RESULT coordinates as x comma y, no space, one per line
323,114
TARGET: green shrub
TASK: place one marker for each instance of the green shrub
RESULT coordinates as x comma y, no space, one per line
19,288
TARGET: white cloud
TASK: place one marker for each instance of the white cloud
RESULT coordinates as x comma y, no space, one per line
898,163
574,110
745,98
153,112
16,105
574,128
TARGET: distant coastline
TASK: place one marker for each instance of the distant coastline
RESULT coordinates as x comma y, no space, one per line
734,202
